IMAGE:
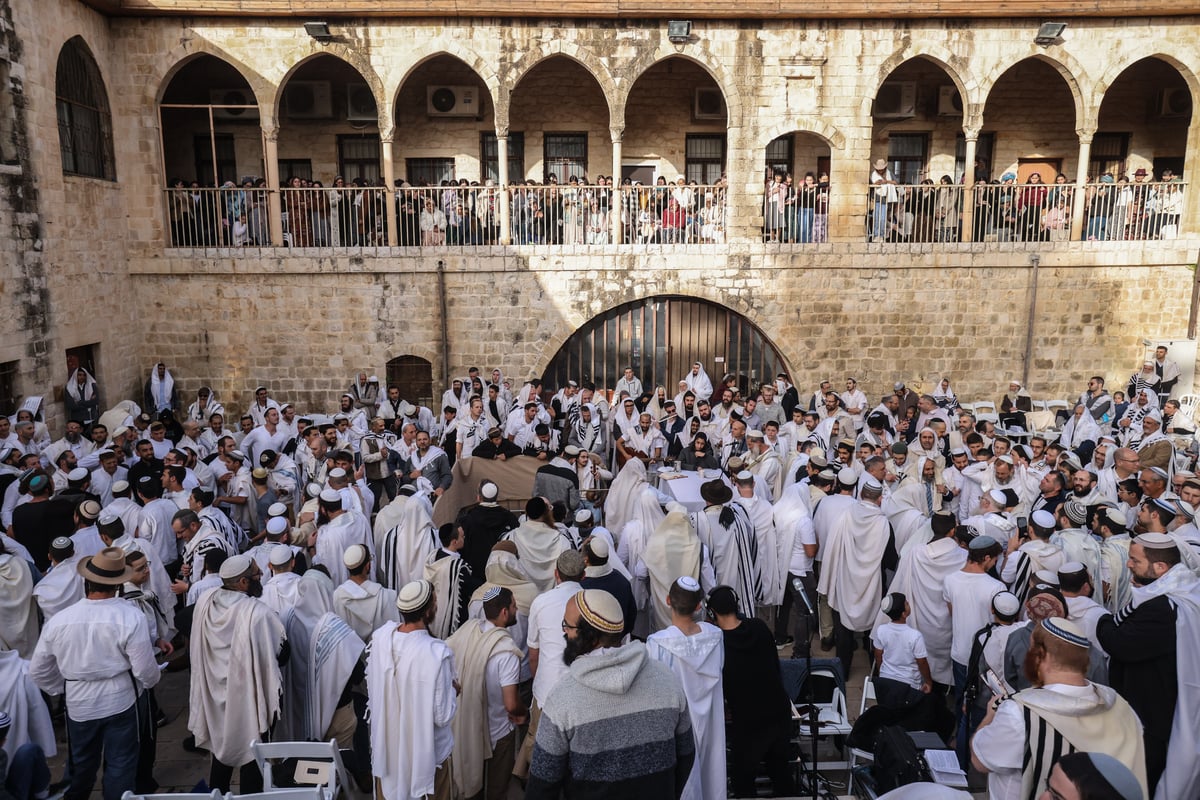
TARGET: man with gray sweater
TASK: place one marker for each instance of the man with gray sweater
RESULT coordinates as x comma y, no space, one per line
616,725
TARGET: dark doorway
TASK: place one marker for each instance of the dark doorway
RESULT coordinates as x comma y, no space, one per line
414,376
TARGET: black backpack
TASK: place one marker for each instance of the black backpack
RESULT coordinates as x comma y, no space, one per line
897,760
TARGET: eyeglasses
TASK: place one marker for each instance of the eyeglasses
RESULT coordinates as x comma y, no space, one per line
567,627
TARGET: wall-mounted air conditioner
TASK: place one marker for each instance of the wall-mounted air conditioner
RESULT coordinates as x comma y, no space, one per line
896,100
452,101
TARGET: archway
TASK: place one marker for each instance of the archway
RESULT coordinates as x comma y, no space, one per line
211,136
84,118
796,209
563,138
1143,122
660,337
413,375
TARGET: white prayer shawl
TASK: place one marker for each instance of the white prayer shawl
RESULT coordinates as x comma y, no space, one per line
538,546
130,514
1080,429
446,575
646,442
365,607
851,575
697,661
919,577
589,435
1079,545
906,511
389,517
407,703
20,698
644,519
729,535
1158,436
160,389
699,384
407,547
622,422
471,432
236,683
60,587
621,494
18,610
601,532
280,593
828,512
87,541
89,386
1114,571
325,651
160,581
791,516
672,552
201,414
771,579
335,538
1182,775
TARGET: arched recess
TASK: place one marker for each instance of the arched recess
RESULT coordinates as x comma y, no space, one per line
414,377
1063,63
328,112
558,117
731,97
795,205
209,118
676,122
967,89
444,117
660,337
1034,131
84,118
534,59
917,119
1143,121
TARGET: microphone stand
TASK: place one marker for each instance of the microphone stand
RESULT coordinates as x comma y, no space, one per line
813,776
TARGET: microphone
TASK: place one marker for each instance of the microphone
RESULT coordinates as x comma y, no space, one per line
799,589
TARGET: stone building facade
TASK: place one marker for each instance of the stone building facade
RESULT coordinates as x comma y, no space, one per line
90,262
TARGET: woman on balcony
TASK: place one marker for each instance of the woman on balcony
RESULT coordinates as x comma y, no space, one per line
433,225
774,206
674,223
294,203
806,205
574,213
597,223
1031,204
945,210
821,217
1056,222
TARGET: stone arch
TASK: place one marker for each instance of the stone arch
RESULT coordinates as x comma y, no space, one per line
717,328
954,67
810,125
698,56
1118,68
192,49
1072,72
419,55
582,56
85,127
356,59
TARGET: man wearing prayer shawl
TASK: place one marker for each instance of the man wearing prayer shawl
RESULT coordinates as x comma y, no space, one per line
698,382
236,645
407,547
452,581
919,576
586,431
160,393
772,569
1076,542
324,661
1027,556
488,665
725,528
362,603
860,548
673,549
18,610
412,701
337,529
27,711
538,542
1154,662
62,585
1155,449
695,652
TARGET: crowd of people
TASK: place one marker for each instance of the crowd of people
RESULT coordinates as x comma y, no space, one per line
1120,207
456,213
1025,587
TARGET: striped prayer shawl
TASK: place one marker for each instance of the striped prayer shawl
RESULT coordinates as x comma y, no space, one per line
1044,746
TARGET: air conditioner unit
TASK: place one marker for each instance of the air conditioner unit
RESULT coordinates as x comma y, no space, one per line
308,100
949,102
360,103
233,97
708,103
896,100
1174,103
452,101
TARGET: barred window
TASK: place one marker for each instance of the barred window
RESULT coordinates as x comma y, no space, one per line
84,121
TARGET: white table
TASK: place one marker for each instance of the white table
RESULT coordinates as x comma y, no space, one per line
685,490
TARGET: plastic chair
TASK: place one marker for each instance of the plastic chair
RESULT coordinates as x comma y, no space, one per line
856,756
215,794
985,407
266,752
1057,405
301,793
832,717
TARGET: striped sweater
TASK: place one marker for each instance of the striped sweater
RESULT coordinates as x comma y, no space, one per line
615,726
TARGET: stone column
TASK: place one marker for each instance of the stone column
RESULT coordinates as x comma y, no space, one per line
616,201
502,192
270,134
1190,219
849,199
389,185
1081,171
967,217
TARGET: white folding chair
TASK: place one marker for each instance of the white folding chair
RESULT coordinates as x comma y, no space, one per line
1188,404
302,793
215,794
985,407
987,416
857,756
968,407
833,720
326,752
1057,405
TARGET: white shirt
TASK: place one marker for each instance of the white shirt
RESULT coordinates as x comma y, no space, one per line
91,649
545,634
901,646
503,669
801,564
971,595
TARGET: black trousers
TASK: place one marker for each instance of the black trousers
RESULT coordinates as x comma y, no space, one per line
747,752
250,778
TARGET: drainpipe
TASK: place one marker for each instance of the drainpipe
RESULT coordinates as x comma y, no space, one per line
1195,308
1035,260
441,276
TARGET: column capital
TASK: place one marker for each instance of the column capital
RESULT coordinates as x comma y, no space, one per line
971,134
270,131
387,135
616,133
1085,135
502,133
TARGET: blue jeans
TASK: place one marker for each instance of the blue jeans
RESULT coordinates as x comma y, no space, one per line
879,220
115,737
28,773
804,225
